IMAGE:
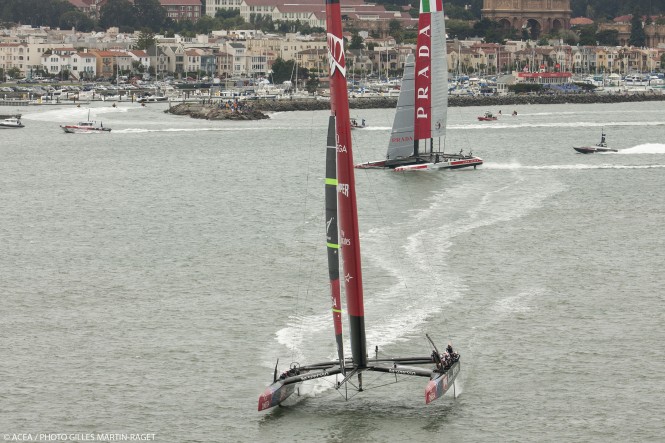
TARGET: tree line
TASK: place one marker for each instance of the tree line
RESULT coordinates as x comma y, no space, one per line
593,9
463,19
128,16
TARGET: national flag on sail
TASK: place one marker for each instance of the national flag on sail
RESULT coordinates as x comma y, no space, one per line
431,5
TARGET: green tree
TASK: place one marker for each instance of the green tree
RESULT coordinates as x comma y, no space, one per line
150,14
137,66
608,37
395,30
459,13
588,35
145,39
34,12
14,72
282,70
312,84
569,37
118,13
229,19
78,20
491,30
458,29
637,36
206,24
227,13
356,42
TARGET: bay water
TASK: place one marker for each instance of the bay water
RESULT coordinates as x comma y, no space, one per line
151,277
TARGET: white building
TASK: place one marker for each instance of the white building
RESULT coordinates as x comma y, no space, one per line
141,57
83,66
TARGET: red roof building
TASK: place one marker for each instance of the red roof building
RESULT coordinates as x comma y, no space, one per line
580,21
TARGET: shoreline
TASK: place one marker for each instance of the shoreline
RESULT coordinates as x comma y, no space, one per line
256,109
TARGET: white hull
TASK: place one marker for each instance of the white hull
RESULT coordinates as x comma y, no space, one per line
11,123
75,130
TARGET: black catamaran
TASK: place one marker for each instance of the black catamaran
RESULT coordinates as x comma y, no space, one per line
342,235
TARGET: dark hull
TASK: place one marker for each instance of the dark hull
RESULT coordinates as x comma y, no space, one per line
593,149
427,161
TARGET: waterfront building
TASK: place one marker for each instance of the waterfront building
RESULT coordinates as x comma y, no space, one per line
538,17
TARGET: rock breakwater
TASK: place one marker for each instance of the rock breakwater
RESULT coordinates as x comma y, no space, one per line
255,109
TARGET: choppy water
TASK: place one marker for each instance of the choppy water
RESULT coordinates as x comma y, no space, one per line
151,277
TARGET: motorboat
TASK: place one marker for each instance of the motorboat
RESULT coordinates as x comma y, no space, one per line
487,117
356,124
11,123
86,127
600,147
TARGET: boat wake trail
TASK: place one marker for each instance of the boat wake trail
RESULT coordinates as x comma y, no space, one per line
377,128
144,130
500,125
412,282
429,285
649,148
516,166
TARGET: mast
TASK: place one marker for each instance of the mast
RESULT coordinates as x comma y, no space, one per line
346,192
332,238
431,100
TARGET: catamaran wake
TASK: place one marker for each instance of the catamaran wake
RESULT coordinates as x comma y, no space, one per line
587,112
517,166
393,314
209,129
72,113
512,125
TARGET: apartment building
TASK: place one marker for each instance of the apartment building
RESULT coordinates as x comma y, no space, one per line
179,10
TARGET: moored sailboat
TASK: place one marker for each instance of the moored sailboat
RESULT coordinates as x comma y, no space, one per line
343,235
421,114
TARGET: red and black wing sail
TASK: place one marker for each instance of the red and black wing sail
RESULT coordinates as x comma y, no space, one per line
349,239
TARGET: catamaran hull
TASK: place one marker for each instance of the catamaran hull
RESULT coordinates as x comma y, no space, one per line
449,163
438,386
275,394
381,164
